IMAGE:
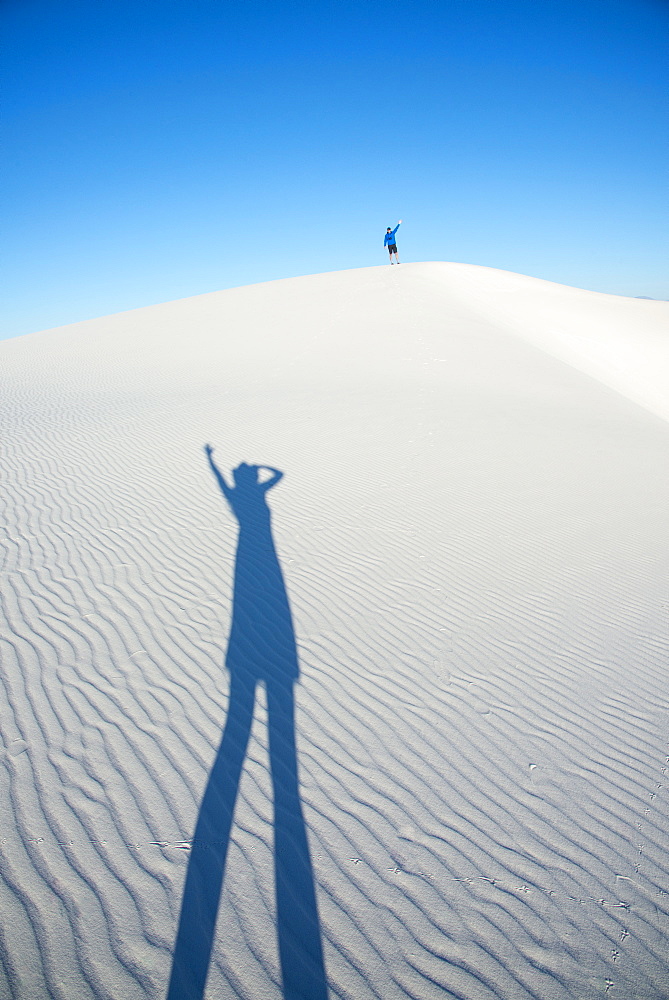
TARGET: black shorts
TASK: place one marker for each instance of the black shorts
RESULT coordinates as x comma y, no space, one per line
392,248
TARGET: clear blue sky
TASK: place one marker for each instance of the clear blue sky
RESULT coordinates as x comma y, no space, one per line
155,149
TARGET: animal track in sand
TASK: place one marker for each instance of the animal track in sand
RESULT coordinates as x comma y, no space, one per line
638,871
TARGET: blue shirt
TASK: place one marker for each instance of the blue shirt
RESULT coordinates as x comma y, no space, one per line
390,237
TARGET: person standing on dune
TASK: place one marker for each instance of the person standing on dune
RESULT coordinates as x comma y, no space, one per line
389,242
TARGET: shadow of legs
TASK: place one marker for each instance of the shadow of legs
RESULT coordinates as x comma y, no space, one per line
206,865
298,926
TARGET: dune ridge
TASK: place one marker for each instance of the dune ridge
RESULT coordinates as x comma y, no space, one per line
472,530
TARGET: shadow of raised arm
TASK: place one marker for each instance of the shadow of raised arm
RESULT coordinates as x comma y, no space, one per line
246,495
225,488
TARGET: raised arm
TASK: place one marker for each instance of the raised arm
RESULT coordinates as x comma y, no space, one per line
217,472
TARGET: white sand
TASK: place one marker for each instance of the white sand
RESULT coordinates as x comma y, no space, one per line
473,531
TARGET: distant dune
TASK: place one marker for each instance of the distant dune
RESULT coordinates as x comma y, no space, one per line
462,594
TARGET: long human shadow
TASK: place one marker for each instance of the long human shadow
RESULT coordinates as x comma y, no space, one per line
261,648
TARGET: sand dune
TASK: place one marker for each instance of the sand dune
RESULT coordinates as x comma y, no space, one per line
463,593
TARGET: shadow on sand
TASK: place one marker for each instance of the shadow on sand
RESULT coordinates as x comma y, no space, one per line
261,648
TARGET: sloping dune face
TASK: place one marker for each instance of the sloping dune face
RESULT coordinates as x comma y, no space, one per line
428,668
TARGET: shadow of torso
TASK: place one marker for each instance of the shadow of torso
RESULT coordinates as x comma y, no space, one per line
261,645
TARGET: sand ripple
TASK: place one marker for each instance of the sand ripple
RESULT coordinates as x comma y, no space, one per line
473,538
